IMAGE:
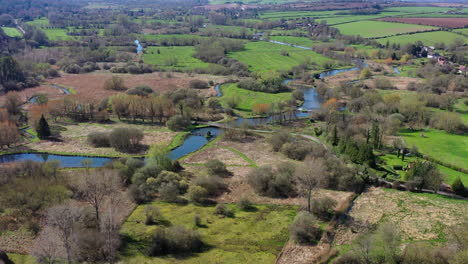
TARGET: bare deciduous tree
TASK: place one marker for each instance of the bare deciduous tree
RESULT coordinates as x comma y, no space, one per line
64,218
310,175
96,186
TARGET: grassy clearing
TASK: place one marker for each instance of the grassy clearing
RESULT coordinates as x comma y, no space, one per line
266,56
11,32
23,259
449,174
428,38
39,22
173,58
249,237
373,29
247,99
440,145
221,28
57,34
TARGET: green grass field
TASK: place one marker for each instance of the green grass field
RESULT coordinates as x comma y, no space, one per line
462,30
173,58
295,14
11,32
39,22
249,237
428,38
247,99
374,29
449,174
419,9
440,145
300,41
265,56
56,34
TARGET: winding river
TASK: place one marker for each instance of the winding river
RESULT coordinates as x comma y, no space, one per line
193,142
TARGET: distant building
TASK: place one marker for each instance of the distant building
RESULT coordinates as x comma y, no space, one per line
258,36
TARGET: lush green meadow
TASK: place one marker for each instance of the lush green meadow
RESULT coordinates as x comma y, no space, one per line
11,32
450,175
39,22
440,145
295,14
462,30
420,9
247,99
266,56
256,236
374,29
170,37
428,38
180,57
57,34
300,41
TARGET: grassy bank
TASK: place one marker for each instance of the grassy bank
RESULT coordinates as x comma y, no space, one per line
250,237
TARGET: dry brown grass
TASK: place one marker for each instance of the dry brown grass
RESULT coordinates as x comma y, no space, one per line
92,84
401,83
74,139
227,156
416,216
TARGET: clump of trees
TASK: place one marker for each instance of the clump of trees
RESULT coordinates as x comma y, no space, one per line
115,83
423,175
122,139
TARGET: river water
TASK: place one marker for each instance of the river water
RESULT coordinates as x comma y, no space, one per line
193,142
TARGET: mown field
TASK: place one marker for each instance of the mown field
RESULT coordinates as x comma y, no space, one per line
420,9
180,58
247,99
256,236
440,145
265,56
300,41
428,38
294,14
374,29
11,32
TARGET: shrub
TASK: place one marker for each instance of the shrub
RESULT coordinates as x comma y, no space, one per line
198,84
304,229
152,215
178,122
175,240
99,139
273,183
232,101
125,139
197,221
212,184
245,204
217,168
115,83
169,192
458,187
278,139
140,90
197,194
72,68
323,207
222,210
297,150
